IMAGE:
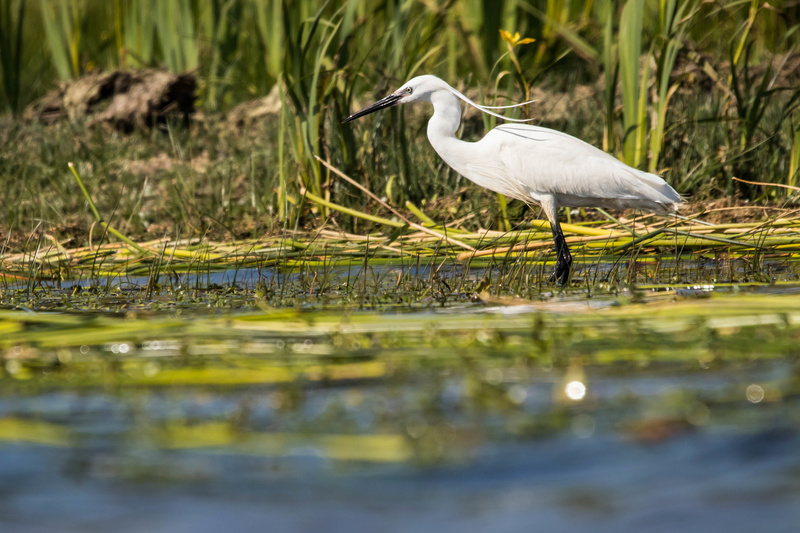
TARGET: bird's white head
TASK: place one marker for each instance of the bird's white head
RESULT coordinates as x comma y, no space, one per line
423,89
414,90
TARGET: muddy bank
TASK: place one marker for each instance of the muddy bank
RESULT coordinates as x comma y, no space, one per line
124,100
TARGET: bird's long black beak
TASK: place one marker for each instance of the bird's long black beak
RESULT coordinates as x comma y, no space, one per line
389,101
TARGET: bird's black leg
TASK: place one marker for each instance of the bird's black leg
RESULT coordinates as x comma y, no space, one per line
563,257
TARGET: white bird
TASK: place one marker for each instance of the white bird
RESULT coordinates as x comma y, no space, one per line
531,163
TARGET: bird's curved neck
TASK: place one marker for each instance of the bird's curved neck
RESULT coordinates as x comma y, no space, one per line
446,114
443,125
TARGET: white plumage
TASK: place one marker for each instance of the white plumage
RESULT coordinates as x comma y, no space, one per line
532,164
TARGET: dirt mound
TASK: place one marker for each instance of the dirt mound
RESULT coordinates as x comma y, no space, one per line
126,100
246,113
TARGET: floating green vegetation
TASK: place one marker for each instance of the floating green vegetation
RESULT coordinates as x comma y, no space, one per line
329,346
398,387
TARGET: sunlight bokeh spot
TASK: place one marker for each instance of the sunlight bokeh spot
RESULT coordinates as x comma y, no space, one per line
754,393
517,394
575,390
583,426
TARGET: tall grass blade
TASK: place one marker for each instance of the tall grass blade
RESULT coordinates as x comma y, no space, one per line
59,37
611,75
630,49
12,19
97,217
794,159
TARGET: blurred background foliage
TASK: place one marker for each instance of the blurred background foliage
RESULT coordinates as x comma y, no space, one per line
700,91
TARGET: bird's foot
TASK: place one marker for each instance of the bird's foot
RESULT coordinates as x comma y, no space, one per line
561,274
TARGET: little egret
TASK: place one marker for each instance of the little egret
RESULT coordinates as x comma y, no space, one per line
531,163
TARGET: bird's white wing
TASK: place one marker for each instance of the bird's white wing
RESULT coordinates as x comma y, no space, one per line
534,161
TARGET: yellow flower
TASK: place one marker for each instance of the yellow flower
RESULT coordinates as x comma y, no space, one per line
514,40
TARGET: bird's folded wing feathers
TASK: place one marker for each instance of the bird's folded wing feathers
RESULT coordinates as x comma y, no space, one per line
551,162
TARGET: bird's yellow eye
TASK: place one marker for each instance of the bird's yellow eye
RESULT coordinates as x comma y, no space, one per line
409,90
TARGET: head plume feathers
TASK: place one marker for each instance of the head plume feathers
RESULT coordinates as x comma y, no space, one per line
486,108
